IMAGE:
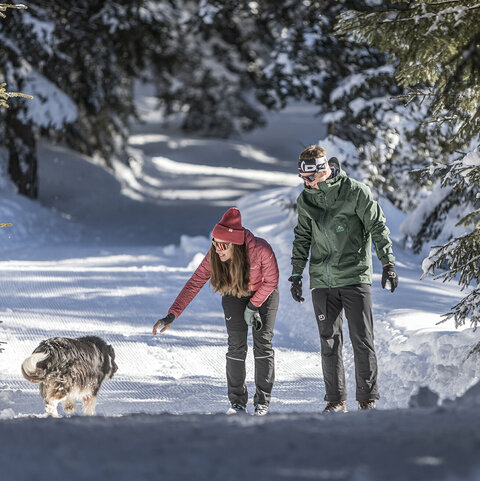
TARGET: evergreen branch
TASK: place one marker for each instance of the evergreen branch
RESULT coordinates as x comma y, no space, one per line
475,349
4,6
4,95
413,95
451,273
469,306
417,18
439,121
445,2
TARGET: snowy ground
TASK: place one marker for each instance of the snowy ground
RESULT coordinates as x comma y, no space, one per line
110,259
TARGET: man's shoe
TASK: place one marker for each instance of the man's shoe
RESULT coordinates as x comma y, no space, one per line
336,407
366,404
261,409
237,409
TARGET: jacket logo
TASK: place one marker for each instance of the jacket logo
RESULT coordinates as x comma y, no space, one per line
321,317
228,318
340,228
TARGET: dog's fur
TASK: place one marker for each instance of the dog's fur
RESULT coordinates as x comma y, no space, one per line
70,370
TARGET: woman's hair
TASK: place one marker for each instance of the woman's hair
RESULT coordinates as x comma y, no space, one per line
230,278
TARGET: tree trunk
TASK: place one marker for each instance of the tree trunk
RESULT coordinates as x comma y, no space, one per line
22,155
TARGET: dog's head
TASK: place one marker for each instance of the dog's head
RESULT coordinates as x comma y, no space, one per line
109,366
113,368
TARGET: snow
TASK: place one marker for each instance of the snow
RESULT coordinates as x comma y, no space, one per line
50,107
472,159
449,225
106,254
357,80
43,30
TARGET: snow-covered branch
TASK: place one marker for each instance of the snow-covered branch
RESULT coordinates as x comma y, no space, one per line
467,308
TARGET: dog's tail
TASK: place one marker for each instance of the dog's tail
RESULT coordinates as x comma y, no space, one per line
31,372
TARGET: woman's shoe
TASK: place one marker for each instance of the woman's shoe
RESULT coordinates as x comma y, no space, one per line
237,409
366,404
336,407
261,409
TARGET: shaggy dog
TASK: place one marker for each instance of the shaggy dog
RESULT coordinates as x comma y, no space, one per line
70,370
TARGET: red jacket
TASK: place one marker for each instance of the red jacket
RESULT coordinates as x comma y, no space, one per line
263,275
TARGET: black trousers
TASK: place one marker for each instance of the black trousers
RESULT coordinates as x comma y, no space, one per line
237,329
356,301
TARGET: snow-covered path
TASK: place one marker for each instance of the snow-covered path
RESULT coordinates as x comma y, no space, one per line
118,296
176,184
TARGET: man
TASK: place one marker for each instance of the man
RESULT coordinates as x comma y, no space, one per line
337,220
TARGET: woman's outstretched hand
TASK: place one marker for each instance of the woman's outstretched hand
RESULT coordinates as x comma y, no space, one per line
166,322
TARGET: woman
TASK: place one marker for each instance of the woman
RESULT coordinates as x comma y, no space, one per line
243,269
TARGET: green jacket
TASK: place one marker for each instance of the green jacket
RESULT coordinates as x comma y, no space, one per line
336,225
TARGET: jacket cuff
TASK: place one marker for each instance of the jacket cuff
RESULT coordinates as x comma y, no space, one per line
251,306
389,259
297,271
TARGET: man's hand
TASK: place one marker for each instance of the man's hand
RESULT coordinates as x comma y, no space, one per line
166,322
296,287
389,277
252,316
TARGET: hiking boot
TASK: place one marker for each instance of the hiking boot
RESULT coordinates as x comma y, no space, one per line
366,404
261,409
336,407
237,409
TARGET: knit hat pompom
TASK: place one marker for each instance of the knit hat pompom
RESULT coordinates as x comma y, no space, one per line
230,229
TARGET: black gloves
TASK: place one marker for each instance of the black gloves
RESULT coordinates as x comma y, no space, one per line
252,316
296,287
389,277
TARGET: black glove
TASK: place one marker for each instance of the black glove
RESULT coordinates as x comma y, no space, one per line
166,321
389,277
252,316
296,287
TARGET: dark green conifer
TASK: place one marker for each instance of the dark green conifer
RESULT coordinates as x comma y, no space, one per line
435,46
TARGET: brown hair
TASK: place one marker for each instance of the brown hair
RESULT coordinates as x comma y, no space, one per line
312,152
231,277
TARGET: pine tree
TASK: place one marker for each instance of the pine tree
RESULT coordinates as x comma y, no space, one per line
79,59
435,47
462,254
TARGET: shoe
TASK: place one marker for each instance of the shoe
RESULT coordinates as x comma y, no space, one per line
237,409
336,407
366,404
261,409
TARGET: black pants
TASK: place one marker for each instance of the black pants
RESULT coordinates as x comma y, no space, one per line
356,300
237,329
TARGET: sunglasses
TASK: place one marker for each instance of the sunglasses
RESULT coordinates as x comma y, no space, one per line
310,178
222,246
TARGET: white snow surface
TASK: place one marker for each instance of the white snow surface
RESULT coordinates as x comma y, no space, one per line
106,254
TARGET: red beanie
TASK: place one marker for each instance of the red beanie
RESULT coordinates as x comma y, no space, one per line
230,228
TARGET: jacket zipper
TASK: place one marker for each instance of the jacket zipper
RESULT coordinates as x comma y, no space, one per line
328,240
